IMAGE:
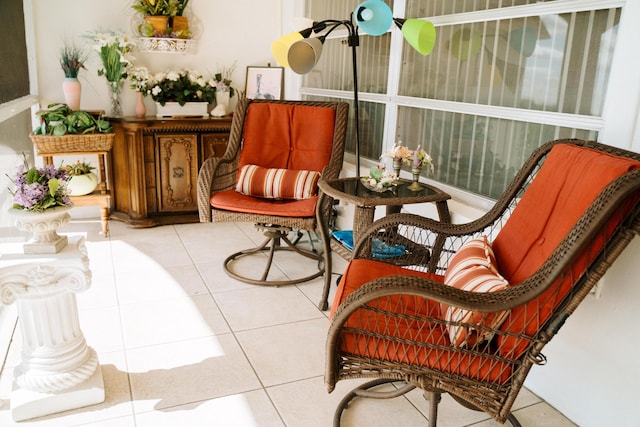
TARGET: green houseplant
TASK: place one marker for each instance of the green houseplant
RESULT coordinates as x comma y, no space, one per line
81,179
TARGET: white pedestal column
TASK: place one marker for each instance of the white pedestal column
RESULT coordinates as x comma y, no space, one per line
58,370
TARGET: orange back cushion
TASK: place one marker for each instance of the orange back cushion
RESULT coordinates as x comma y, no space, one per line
287,136
567,183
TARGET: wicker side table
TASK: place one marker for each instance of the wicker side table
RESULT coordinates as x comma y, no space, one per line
48,146
351,190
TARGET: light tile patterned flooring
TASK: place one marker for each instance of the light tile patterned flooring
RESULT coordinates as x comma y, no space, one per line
182,344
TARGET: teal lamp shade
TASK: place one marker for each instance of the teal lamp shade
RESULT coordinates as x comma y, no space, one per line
421,35
524,40
280,48
304,54
374,17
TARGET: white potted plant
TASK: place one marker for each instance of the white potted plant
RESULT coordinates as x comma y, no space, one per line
81,179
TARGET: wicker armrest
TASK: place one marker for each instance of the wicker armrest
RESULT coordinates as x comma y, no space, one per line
216,174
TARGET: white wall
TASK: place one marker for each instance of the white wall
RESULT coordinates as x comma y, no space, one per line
228,31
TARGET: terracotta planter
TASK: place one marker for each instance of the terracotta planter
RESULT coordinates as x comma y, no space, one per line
179,24
71,89
158,23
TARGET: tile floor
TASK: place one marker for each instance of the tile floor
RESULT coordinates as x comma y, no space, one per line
182,344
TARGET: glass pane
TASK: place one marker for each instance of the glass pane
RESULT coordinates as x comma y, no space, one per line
425,8
333,9
475,153
334,70
557,63
371,127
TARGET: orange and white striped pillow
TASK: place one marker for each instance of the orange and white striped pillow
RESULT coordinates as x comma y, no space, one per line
277,183
473,268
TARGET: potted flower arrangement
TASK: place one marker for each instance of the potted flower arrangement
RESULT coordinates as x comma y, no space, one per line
72,59
163,18
40,205
115,50
379,179
400,154
188,89
224,90
81,179
139,77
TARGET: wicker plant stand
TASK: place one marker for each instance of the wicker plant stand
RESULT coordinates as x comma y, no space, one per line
48,146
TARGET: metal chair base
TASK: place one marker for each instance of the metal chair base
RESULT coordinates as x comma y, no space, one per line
272,244
433,398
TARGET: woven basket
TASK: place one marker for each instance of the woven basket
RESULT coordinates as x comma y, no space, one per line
49,144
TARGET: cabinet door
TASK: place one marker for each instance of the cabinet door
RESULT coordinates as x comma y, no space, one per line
177,172
214,144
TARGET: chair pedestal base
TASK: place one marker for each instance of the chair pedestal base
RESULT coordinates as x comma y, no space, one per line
364,390
276,235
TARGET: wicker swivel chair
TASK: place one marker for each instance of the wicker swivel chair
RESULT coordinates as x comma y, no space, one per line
502,287
268,176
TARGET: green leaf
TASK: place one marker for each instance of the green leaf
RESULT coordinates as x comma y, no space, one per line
54,184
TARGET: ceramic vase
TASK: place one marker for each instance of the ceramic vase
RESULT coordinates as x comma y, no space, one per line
80,185
115,89
71,89
43,227
223,98
141,109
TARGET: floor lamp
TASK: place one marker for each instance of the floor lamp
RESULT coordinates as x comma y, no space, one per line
301,52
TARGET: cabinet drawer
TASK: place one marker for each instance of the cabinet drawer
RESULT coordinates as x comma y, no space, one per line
214,144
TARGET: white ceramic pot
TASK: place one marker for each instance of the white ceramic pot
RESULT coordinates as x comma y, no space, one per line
79,185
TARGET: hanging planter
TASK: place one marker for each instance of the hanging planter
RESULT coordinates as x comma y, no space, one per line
158,23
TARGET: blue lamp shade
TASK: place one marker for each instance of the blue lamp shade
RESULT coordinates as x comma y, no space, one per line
524,40
374,17
304,54
421,35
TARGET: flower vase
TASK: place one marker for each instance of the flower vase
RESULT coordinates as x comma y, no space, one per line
71,90
397,165
222,98
115,89
43,226
415,185
141,109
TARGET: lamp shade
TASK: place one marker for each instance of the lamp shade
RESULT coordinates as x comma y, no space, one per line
304,54
374,17
419,34
280,47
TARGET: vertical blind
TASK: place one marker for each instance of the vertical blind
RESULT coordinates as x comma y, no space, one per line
492,90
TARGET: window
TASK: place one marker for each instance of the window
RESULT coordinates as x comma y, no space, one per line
503,78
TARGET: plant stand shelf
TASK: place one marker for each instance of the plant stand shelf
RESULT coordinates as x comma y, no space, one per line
101,197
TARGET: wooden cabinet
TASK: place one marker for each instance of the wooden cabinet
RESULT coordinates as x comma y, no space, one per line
156,163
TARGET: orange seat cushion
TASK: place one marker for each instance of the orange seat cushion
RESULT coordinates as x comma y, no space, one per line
567,184
431,353
231,200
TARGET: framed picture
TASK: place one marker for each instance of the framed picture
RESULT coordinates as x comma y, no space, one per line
265,83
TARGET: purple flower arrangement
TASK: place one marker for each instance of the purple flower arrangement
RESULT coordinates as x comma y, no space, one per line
38,189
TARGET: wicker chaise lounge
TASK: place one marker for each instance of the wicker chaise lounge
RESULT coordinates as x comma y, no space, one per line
535,256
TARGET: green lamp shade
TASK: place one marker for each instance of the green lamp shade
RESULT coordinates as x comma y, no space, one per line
419,34
374,17
280,47
304,54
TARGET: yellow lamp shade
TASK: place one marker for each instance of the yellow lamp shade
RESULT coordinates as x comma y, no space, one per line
280,47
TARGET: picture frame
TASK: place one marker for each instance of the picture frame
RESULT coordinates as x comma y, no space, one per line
265,83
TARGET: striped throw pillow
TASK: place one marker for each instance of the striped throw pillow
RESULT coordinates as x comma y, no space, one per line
277,183
473,268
